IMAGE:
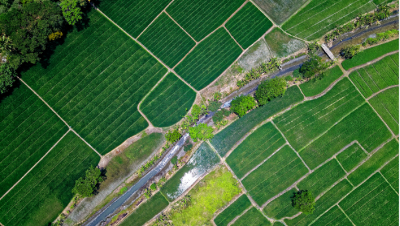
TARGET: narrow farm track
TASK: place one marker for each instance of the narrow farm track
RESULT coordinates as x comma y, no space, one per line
380,91
238,216
370,62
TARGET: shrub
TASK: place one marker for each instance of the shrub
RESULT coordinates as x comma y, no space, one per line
123,190
296,73
289,78
174,160
304,201
153,186
313,66
350,51
217,96
219,115
147,193
201,132
196,111
86,186
214,106
187,147
269,89
173,136
240,105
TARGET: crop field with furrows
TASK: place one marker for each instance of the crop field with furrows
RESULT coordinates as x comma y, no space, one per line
279,10
373,53
167,40
318,85
281,206
391,173
200,18
97,85
334,217
387,106
168,102
234,210
273,176
253,217
305,122
28,129
362,125
282,44
319,17
45,191
255,149
133,16
209,59
351,156
248,25
373,203
226,139
329,199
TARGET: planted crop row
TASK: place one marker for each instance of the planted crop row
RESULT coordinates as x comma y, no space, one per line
351,157
235,209
333,217
253,217
168,102
316,86
41,196
305,122
387,106
391,173
281,206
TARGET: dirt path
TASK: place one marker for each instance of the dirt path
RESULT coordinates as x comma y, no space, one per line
380,91
372,61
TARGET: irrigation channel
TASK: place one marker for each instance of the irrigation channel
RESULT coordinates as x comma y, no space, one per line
104,215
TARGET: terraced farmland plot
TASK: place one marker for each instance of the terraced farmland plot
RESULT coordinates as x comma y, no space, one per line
95,81
45,191
319,17
248,25
281,206
277,173
253,217
362,125
209,59
167,40
351,157
317,86
199,18
279,10
334,216
255,149
28,129
133,16
373,203
387,106
167,103
391,173
305,122
234,210
282,44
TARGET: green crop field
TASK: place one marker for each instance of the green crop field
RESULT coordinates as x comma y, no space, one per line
334,217
318,85
319,17
273,176
95,81
199,18
235,209
372,53
254,149
146,211
362,125
253,217
226,139
279,10
167,40
209,59
45,191
305,122
248,25
281,206
351,157
28,129
373,203
133,16
391,173
282,44
167,104
387,106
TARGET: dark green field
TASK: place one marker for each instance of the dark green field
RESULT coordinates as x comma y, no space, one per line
281,206
351,157
253,217
391,173
387,106
235,209
334,217
316,86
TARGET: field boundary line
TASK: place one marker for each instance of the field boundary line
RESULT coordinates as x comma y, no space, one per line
219,211
329,88
297,11
345,214
240,215
381,91
340,164
388,182
165,11
265,14
226,29
35,164
86,142
372,61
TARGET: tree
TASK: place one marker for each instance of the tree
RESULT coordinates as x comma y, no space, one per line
201,132
173,136
304,201
214,106
153,186
86,186
71,11
219,115
174,160
313,66
7,75
350,51
240,105
269,89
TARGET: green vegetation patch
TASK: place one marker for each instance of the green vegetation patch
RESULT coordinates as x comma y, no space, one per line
282,44
95,81
213,192
280,10
319,17
379,158
254,149
248,25
203,160
334,217
373,203
28,129
133,16
168,103
323,203
45,191
199,18
322,178
351,156
234,210
281,206
319,84
253,217
370,54
362,125
209,59
387,106
306,121
391,173
273,176
226,139
167,40
146,211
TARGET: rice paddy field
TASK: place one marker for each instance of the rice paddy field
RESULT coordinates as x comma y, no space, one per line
253,217
234,210
386,104
282,44
351,157
281,206
316,86
280,10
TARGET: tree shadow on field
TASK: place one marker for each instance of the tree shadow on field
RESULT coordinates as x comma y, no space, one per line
16,85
